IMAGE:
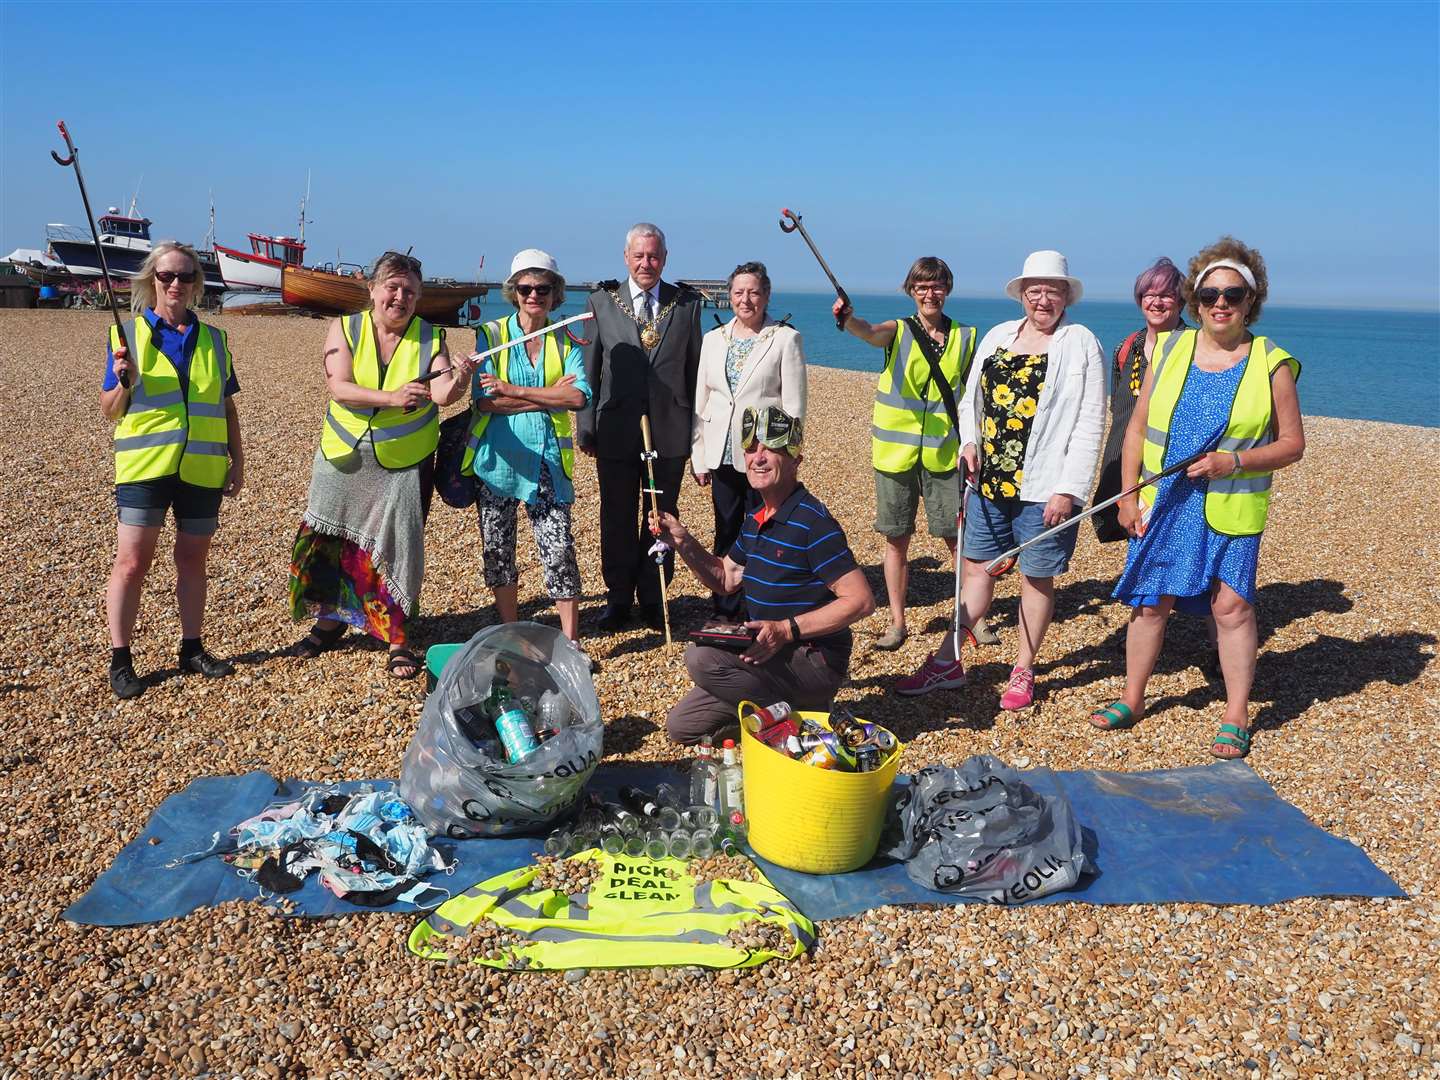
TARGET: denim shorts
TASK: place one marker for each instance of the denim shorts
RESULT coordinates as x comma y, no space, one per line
993,528
144,503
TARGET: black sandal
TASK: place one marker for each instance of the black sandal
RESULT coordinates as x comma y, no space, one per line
319,640
403,657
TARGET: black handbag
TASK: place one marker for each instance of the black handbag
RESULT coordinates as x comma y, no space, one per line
457,490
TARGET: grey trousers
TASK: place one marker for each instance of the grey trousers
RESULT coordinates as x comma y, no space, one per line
799,675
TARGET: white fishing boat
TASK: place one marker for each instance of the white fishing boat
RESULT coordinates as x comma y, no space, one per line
260,267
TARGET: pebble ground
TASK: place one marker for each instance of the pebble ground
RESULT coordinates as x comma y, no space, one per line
1345,706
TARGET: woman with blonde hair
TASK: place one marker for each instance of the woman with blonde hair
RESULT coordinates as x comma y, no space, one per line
1229,393
169,387
359,556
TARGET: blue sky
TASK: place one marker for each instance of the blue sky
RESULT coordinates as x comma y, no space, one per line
1114,132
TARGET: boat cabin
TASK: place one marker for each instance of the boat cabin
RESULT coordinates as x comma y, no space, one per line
282,249
118,226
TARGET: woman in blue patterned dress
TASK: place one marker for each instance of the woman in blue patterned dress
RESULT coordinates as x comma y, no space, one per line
1196,537
751,360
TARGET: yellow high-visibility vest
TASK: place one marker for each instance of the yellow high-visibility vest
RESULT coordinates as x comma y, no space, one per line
166,430
640,912
909,422
401,437
552,370
1235,505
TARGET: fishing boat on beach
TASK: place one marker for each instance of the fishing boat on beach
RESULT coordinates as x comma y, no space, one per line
126,241
342,290
259,268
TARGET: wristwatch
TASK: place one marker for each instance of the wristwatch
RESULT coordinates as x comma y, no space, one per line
794,629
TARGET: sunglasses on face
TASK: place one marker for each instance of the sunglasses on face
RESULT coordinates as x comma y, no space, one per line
165,277
409,260
771,427
1233,294
541,291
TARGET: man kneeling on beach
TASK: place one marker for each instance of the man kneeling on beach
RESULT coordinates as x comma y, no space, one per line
802,591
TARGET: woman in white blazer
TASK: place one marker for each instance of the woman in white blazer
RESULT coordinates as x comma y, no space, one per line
1031,423
751,360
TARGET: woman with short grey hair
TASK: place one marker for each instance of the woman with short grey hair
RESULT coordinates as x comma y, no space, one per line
359,556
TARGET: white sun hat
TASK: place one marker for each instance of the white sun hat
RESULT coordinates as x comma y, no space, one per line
532,259
1045,266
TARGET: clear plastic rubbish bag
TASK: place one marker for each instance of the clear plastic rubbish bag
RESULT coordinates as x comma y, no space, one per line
462,787
981,831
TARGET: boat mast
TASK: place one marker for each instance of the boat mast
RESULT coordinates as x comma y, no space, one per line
135,199
210,236
303,203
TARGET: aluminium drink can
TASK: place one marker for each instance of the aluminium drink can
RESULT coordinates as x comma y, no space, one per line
516,733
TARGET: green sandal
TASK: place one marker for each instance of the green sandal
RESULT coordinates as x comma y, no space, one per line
1236,737
1114,717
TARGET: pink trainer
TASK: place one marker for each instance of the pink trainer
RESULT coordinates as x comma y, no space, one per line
932,675
1021,691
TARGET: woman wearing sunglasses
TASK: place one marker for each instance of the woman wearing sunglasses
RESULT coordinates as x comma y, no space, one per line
1031,423
521,447
1157,295
169,386
1196,535
359,556
750,362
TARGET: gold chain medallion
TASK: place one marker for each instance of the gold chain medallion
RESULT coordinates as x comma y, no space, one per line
649,330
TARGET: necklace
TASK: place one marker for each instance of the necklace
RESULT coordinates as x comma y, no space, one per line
649,329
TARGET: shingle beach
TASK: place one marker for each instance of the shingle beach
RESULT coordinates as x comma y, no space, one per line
1346,707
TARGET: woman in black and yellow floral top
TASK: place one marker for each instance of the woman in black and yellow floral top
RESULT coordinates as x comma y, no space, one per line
1157,295
1030,427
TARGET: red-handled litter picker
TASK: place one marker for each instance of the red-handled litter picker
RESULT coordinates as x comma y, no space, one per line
794,223
74,159
1005,563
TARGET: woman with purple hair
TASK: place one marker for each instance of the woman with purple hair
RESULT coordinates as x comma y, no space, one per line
1157,295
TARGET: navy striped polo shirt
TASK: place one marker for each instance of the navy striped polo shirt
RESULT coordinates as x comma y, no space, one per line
791,560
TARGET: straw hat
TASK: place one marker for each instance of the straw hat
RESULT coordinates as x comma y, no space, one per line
1045,266
532,259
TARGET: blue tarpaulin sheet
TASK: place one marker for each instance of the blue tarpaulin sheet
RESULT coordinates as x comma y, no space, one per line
1212,834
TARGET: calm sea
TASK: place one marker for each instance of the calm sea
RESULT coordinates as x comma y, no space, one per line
1365,365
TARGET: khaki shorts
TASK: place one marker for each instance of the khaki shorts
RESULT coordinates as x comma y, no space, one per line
898,495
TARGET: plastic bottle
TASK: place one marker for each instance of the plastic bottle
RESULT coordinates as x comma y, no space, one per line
731,784
703,786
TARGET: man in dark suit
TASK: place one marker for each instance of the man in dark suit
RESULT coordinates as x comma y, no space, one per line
641,361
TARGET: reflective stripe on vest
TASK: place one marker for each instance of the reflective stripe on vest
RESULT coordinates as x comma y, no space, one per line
1234,505
165,430
909,423
639,912
402,437
552,370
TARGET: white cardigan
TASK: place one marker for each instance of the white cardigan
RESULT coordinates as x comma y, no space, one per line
774,375
1064,445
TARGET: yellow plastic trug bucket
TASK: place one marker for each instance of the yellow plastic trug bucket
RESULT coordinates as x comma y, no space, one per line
814,820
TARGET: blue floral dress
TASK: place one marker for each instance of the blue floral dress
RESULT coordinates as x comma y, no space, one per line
1180,555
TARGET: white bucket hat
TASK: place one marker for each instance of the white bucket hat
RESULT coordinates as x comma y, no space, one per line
532,259
1045,266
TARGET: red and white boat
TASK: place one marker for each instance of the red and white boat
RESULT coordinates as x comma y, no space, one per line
261,266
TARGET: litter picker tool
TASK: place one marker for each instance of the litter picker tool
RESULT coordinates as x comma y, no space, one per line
648,456
793,220
74,159
1002,565
521,340
962,470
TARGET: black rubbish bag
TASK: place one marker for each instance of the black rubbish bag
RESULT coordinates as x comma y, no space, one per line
981,831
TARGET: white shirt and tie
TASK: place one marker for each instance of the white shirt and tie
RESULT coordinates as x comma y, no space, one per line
644,302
